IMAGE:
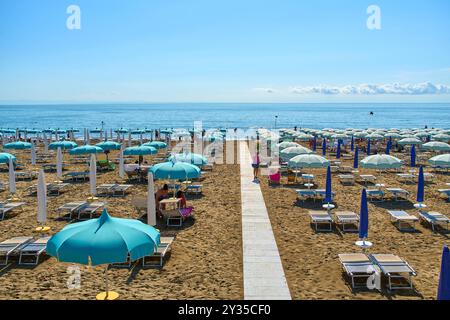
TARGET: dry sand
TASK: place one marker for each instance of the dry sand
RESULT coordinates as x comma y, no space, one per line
310,259
206,258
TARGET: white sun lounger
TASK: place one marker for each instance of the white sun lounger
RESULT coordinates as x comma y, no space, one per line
33,250
90,209
9,246
403,218
399,194
406,177
375,195
435,219
6,207
366,178
194,188
344,218
395,268
321,220
347,179
157,259
70,208
357,266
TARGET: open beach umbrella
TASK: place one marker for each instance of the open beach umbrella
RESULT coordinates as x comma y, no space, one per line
287,144
156,144
151,204
17,145
86,149
442,160
93,176
309,161
410,141
63,144
104,241
436,146
356,158
444,276
42,201
59,164
192,158
381,162
441,137
328,194
139,151
413,156
4,157
175,171
368,147
291,152
338,151
324,147
12,177
421,187
107,146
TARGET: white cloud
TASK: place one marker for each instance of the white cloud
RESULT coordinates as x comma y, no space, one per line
375,89
265,90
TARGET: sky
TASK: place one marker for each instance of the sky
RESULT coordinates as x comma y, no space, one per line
224,51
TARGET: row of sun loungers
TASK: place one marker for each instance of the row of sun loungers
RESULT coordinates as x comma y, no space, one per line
26,175
361,266
77,176
7,207
80,209
323,220
314,194
113,190
27,249
52,188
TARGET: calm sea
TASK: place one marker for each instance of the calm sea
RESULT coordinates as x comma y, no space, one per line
221,115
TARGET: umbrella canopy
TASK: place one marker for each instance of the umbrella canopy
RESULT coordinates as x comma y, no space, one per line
192,158
421,187
104,240
86,149
356,159
442,160
441,137
364,217
375,136
4,157
287,144
139,151
410,141
436,146
444,276
309,161
64,145
328,194
288,153
304,137
17,145
156,144
175,170
381,162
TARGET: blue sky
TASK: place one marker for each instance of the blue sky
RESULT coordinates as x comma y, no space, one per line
240,51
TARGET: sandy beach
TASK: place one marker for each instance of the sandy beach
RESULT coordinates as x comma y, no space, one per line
206,257
310,259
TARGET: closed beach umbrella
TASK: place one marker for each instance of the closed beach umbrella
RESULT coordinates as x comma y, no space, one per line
104,241
129,139
4,157
151,204
86,149
328,194
421,187
413,156
33,154
12,177
121,165
338,152
368,147
63,145
291,152
93,175
324,147
410,141
45,142
17,145
192,158
175,171
309,161
352,146
59,164
442,160
381,162
363,217
444,276
388,147
356,159
41,198
315,144
436,146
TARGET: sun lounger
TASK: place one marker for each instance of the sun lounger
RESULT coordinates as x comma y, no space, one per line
375,195
403,218
406,177
9,246
140,204
399,194
347,179
26,175
357,266
120,190
445,193
157,259
397,270
321,220
334,169
428,177
344,218
90,209
56,188
435,219
2,186
303,195
75,176
194,188
366,178
32,250
320,194
6,207
71,208
345,169
105,189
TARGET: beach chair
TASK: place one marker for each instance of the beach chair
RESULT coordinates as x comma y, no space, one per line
321,220
140,204
56,188
75,176
375,195
194,189
105,189
334,169
29,254
70,208
397,270
345,169
428,177
26,175
8,247
402,218
344,218
347,179
7,207
2,187
445,193
120,190
358,267
398,194
435,219
367,178
274,179
303,194
90,209
321,193
157,258
406,177
105,165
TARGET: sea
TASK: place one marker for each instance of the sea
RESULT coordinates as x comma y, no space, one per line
226,115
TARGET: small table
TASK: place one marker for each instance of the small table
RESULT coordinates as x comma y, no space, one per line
171,206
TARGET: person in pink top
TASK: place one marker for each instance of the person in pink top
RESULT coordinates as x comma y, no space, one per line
255,165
